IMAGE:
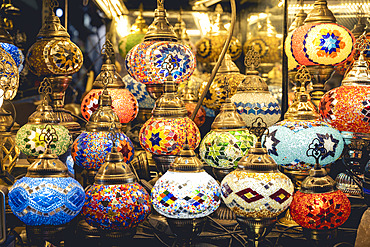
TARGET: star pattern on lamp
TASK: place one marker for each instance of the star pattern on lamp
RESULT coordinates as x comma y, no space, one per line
330,42
325,216
271,142
155,139
329,143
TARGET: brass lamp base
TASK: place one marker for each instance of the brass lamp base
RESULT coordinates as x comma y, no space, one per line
287,220
255,228
37,235
220,173
320,238
155,90
320,74
163,162
186,230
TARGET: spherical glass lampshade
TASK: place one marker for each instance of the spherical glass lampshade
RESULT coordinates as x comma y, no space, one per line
90,149
210,46
16,54
288,140
320,211
123,103
27,139
200,118
9,75
224,148
322,44
145,61
292,63
166,136
139,91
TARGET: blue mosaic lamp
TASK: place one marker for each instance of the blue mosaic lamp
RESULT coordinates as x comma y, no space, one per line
47,195
139,91
185,195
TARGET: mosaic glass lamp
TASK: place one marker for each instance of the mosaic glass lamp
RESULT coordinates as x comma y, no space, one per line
319,207
256,191
91,147
217,93
138,90
28,136
144,61
228,141
47,195
320,44
55,56
124,103
116,202
6,42
164,134
253,98
136,35
185,195
210,46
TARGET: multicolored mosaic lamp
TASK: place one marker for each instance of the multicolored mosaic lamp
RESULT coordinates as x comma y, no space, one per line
55,56
124,103
91,147
136,36
138,90
185,195
28,136
319,207
217,93
256,191
210,46
6,42
116,202
145,61
253,98
164,134
47,196
320,44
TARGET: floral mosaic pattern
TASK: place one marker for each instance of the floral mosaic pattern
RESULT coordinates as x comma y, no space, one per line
186,195
116,207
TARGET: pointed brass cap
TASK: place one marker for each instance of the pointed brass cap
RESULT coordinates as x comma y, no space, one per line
187,161
257,160
228,66
139,26
47,165
109,67
114,170
52,28
218,27
320,13
169,105
228,118
104,116
298,20
160,27
180,29
318,181
359,74
5,36
302,108
253,83
44,114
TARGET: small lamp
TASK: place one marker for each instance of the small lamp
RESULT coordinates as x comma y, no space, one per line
28,136
319,207
124,103
256,191
116,202
47,198
253,98
185,195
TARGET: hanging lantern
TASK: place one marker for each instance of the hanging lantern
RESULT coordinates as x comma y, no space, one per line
116,201
319,207
91,147
124,103
144,61
228,141
185,195
47,195
210,46
256,191
216,95
28,136
136,36
253,98
164,134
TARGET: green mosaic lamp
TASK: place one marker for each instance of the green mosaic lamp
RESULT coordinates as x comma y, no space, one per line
27,138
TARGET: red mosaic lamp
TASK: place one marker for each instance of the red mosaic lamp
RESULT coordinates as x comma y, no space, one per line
124,102
319,207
